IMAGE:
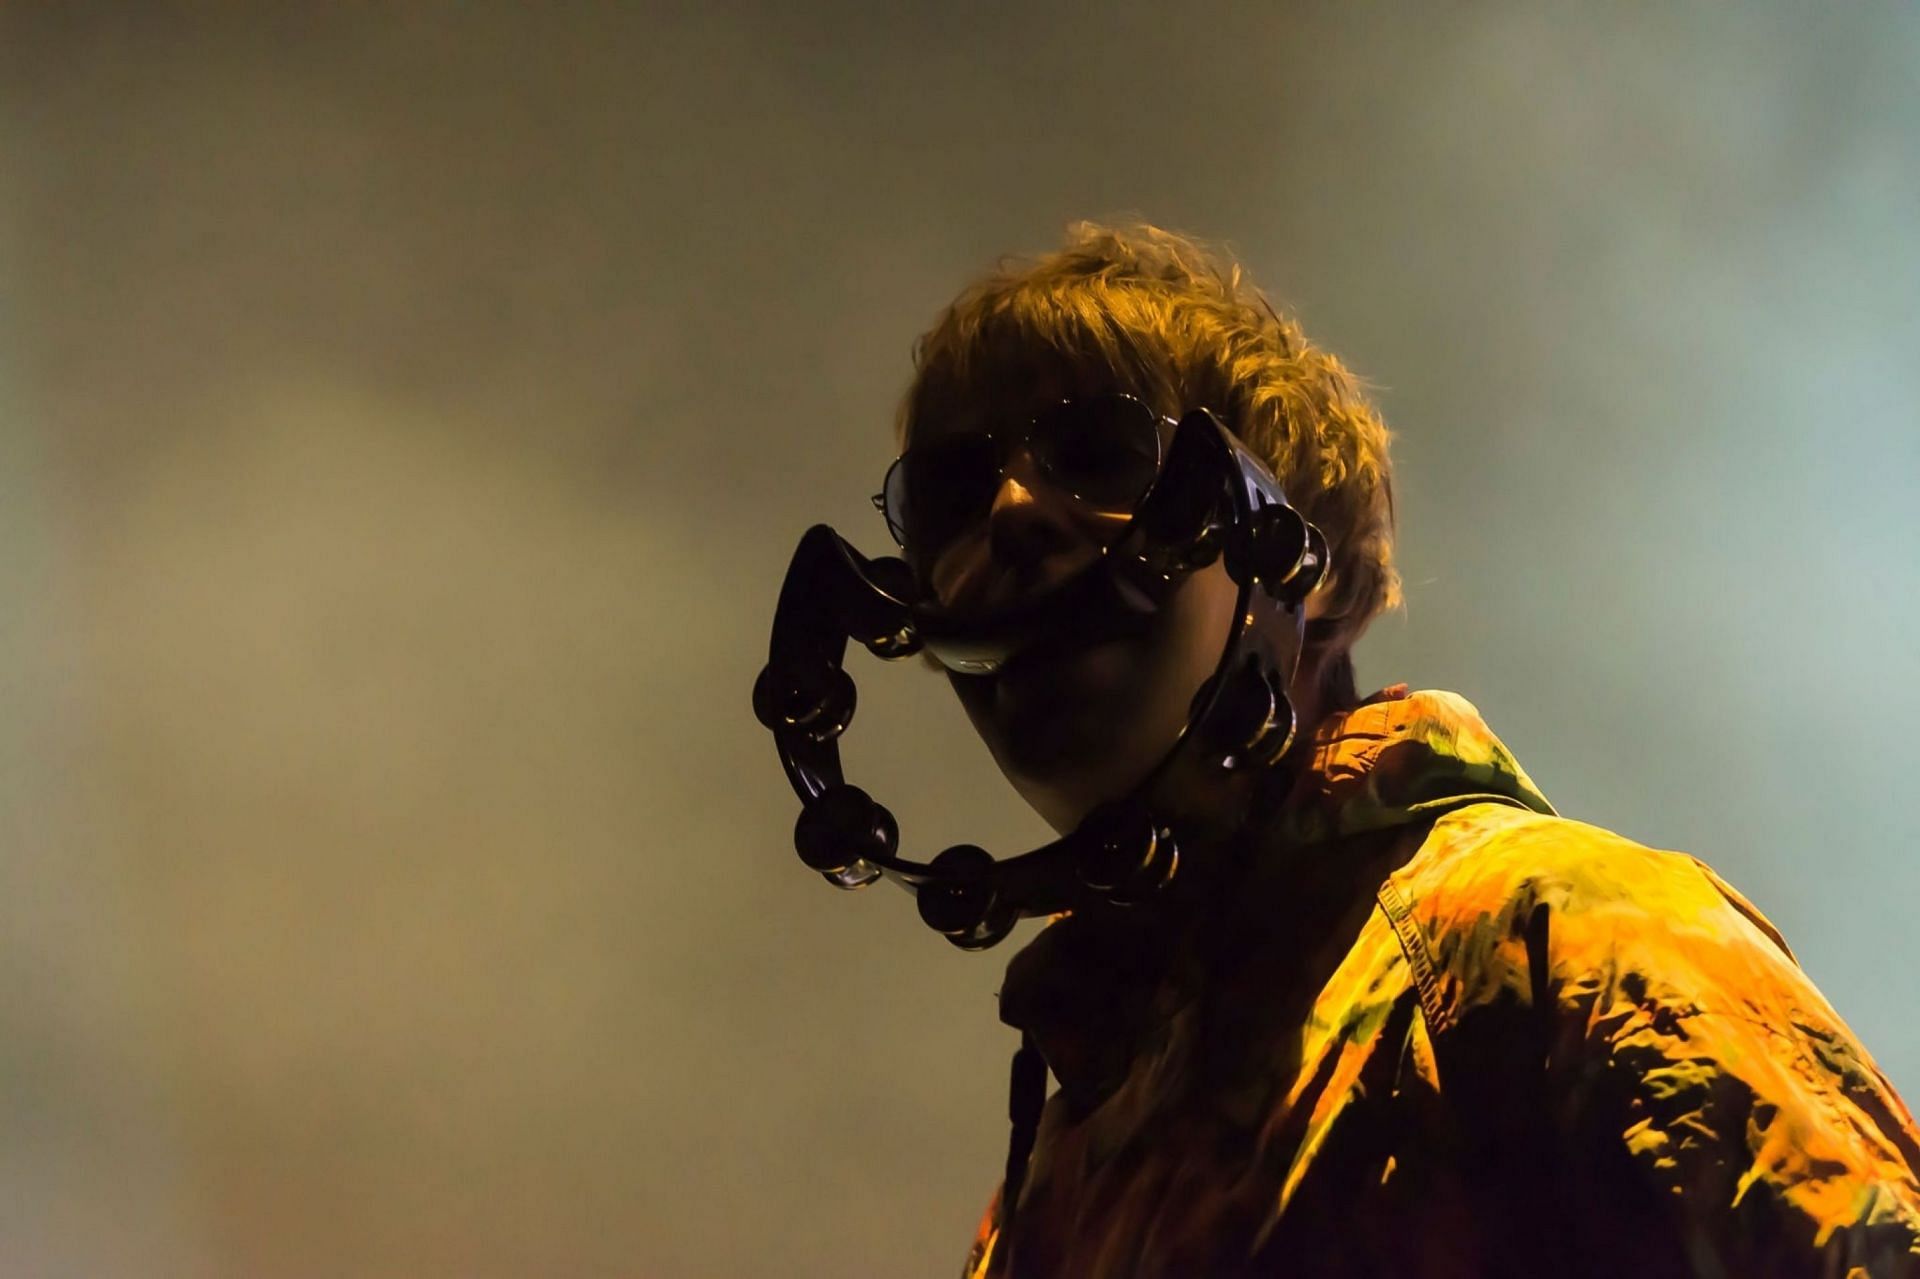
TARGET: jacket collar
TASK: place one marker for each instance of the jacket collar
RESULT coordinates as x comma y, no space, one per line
1093,990
1401,758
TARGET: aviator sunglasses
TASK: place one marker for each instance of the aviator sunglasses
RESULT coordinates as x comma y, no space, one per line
1101,450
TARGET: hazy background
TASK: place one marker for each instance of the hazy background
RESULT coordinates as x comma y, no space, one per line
405,419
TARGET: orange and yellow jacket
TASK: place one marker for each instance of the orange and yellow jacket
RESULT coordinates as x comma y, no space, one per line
1435,1029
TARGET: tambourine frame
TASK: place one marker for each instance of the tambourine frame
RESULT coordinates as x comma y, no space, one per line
1213,498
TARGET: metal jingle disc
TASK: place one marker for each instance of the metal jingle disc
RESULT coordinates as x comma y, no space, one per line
990,931
1125,856
957,898
816,701
842,828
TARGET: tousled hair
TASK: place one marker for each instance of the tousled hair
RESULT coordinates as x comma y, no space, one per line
1171,320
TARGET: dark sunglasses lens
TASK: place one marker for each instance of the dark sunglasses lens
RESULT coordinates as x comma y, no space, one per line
1105,451
893,500
935,490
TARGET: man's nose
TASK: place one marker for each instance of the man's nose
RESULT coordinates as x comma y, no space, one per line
1029,521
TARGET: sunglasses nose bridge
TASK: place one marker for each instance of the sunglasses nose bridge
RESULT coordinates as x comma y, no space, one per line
1020,465
1030,522
1044,464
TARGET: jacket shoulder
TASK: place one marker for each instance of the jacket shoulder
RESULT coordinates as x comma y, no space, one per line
1498,900
1645,1004
1488,858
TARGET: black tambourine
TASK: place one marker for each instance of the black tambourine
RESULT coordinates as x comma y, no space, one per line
1211,498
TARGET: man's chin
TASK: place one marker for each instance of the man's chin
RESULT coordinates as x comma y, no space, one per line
1071,729
1051,710
1092,673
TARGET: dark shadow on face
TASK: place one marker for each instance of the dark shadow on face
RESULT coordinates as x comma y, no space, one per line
1074,731
1081,727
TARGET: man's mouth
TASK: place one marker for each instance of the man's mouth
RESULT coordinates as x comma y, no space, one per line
1069,637
1092,609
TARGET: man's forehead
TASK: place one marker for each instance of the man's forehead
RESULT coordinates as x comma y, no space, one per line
1010,398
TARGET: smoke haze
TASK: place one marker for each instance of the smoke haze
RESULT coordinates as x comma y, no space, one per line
405,420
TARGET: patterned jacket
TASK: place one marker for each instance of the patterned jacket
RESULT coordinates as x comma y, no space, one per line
1438,1030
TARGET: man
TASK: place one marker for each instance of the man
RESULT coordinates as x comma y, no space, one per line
1402,1018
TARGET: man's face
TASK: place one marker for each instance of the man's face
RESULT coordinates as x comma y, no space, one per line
1070,729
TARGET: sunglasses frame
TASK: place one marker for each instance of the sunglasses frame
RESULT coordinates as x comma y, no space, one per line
1162,426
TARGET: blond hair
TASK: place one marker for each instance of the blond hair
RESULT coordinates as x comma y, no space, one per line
1164,317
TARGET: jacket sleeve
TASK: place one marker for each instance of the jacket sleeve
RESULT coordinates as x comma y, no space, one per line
981,1258
1653,1029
